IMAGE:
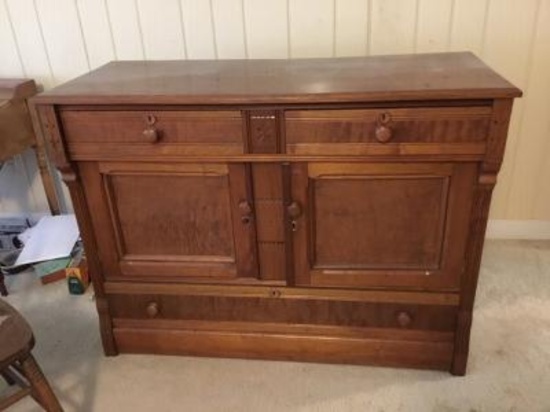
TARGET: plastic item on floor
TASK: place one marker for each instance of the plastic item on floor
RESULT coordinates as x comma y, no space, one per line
78,278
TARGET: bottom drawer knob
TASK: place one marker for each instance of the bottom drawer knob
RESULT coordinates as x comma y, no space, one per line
404,319
152,309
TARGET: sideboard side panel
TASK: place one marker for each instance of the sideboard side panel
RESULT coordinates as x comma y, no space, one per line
487,178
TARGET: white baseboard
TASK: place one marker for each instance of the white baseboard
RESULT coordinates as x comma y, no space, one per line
518,229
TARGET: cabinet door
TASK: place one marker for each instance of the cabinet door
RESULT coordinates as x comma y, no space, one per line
172,220
380,225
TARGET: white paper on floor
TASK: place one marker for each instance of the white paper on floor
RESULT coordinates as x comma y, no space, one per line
52,238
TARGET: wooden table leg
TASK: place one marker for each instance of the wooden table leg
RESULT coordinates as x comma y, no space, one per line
44,166
39,385
48,180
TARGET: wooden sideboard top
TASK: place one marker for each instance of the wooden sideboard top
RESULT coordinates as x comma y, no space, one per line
440,76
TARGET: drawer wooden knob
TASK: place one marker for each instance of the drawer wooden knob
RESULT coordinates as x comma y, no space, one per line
383,132
151,135
404,319
152,309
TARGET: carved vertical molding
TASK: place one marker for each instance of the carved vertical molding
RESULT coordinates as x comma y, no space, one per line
487,178
496,141
478,225
72,179
106,326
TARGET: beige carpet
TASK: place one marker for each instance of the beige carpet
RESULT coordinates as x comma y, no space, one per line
509,366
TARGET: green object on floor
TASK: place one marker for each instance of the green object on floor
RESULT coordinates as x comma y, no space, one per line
49,266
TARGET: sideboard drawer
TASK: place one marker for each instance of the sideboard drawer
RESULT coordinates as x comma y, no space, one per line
99,133
387,131
278,308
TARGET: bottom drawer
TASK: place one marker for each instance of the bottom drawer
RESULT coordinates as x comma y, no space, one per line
280,307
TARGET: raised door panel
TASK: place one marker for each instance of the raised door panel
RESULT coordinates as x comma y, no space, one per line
380,225
408,237
177,220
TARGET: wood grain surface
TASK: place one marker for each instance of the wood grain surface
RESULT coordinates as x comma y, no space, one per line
381,78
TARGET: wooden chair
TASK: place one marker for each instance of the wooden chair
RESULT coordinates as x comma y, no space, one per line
3,289
18,366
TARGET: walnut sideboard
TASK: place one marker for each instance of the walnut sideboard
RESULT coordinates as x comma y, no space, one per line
327,210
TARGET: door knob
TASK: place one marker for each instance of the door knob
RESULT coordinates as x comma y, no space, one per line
294,210
246,212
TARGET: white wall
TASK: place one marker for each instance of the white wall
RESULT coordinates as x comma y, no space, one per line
56,40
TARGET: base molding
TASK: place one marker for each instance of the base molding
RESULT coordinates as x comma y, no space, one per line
325,349
518,229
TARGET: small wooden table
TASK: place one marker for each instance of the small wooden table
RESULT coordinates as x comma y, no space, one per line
16,131
16,135
17,365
